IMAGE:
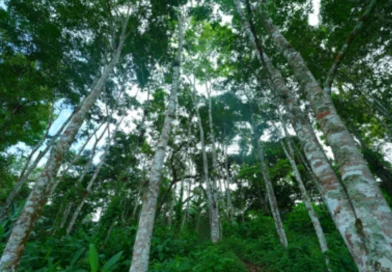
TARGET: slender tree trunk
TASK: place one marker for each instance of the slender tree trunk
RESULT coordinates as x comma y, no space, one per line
28,170
141,248
38,145
270,191
136,205
171,209
227,187
109,231
373,215
93,178
186,213
343,51
215,233
308,204
86,166
80,151
66,213
211,196
39,195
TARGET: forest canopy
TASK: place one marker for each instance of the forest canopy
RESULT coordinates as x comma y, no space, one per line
206,135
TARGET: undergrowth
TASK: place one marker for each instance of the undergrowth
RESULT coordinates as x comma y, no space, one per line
251,243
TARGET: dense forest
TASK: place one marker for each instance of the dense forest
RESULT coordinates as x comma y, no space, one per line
195,135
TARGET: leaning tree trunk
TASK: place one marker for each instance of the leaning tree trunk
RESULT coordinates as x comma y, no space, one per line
373,215
308,204
141,248
92,180
332,191
39,144
28,170
269,190
39,194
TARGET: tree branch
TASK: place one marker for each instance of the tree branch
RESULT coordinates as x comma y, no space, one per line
354,33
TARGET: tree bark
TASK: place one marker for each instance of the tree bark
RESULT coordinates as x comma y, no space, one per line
93,178
27,172
308,203
66,213
211,196
171,208
332,191
39,195
141,248
270,190
227,187
372,212
38,145
358,27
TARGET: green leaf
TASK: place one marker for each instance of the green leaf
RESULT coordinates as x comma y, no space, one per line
1,232
112,261
76,257
93,258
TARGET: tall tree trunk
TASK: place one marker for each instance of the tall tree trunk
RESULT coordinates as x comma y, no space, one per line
39,195
141,248
93,178
332,191
271,198
227,187
28,170
269,189
308,204
215,233
211,196
171,208
66,213
373,215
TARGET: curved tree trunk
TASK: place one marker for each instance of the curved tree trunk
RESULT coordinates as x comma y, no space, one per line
141,248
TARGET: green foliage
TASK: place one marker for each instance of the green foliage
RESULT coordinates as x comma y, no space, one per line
93,258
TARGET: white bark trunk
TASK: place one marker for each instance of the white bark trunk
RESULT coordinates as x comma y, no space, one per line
373,250
271,196
211,197
38,196
308,203
141,248
331,189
